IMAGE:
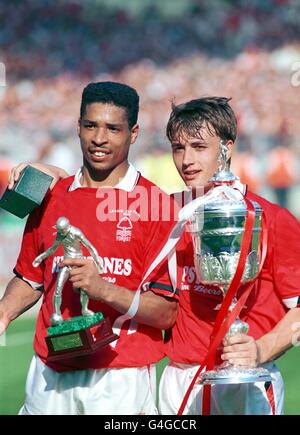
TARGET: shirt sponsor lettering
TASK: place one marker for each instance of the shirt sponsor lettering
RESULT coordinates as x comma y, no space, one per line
112,265
189,281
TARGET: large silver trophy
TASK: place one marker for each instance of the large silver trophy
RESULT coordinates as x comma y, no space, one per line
217,231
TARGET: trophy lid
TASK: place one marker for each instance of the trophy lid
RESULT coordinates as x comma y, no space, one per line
226,205
223,174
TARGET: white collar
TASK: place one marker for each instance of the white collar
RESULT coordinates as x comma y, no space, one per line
127,183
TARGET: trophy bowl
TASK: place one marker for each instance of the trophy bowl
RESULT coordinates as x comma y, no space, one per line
217,234
217,231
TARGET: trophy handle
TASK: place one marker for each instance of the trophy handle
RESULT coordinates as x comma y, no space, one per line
238,326
263,242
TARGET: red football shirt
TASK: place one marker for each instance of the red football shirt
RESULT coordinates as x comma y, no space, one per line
277,288
128,230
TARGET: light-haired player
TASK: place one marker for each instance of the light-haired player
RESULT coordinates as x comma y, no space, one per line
272,310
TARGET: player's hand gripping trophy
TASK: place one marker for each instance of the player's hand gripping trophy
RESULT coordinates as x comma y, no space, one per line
217,232
77,335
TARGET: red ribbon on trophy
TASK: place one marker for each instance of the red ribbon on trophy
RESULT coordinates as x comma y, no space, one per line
225,319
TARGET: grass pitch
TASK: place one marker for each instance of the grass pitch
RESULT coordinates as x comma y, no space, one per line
15,357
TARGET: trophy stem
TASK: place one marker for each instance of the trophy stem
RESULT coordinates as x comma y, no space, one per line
238,326
227,373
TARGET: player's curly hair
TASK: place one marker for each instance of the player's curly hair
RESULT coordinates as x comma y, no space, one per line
119,94
214,113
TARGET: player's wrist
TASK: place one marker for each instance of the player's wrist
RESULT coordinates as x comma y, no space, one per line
263,355
110,293
103,290
6,317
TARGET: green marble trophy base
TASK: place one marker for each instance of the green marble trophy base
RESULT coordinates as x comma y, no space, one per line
27,194
79,336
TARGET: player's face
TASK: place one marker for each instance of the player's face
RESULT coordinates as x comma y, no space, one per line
196,158
105,138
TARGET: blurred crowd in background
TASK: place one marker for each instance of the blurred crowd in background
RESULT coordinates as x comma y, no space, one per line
247,49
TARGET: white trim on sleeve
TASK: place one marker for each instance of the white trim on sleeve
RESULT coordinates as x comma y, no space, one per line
33,284
291,302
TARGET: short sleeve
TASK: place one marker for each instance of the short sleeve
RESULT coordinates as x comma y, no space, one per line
159,281
29,251
286,267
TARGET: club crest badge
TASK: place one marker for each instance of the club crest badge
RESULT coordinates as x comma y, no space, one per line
124,229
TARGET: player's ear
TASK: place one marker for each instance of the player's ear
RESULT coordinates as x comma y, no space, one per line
134,133
78,126
230,145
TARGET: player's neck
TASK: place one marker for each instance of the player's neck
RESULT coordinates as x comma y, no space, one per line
200,190
110,178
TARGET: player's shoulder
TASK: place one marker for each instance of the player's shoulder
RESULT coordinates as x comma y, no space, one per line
160,204
62,185
142,181
154,192
273,212
266,205
56,194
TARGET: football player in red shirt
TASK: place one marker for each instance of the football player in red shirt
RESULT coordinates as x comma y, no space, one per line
272,309
114,206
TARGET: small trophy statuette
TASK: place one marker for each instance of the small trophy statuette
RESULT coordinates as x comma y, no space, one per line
78,335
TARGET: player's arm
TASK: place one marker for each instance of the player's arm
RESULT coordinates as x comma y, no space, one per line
54,171
285,334
37,261
19,296
154,310
244,350
286,277
91,248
